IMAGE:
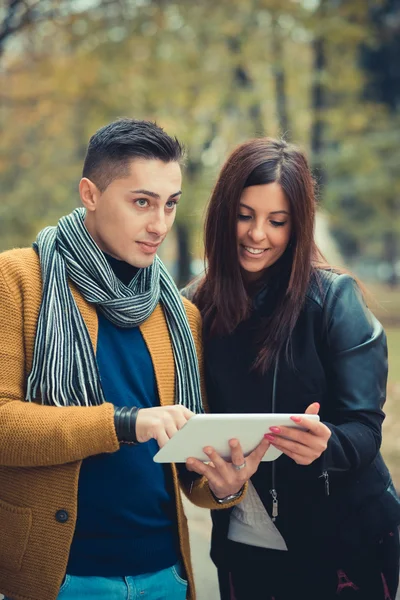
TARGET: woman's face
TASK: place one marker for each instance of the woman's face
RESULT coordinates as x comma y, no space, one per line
263,228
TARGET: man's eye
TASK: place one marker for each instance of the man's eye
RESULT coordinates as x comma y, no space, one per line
142,202
244,217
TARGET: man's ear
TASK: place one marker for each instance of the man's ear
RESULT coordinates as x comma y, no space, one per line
89,194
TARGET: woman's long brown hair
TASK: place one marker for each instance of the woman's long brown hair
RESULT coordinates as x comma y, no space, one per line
222,296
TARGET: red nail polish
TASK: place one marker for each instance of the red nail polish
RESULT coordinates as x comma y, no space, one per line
269,437
296,419
275,429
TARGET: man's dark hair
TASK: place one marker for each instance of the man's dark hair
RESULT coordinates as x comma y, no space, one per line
113,147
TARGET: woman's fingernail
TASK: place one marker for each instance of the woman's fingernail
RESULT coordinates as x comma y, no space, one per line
275,429
269,437
207,450
296,419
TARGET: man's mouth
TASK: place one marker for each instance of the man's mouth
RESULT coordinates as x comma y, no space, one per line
149,247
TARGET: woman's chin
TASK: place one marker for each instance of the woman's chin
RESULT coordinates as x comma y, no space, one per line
252,273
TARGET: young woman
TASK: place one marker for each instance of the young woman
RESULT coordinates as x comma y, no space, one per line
284,332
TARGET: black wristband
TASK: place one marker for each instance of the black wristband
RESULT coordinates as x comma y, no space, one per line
133,413
125,424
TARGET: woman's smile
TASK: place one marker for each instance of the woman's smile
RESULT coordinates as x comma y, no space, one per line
254,253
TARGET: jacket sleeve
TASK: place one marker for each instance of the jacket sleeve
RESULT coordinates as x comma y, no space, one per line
356,365
194,486
32,435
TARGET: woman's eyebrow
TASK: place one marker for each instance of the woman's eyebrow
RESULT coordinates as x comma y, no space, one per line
273,212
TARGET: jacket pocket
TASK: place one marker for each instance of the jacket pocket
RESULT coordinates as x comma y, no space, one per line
15,526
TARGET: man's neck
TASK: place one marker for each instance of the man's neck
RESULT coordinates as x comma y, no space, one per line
123,270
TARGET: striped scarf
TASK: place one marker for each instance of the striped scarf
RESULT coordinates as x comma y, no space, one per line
64,370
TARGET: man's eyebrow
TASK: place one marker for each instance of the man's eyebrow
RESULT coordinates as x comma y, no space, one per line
153,194
273,212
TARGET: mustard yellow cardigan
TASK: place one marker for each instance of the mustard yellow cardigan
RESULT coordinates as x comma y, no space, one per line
42,447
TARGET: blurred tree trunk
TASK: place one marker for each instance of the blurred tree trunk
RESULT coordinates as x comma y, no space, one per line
242,81
183,226
318,105
184,271
381,62
318,97
280,80
390,256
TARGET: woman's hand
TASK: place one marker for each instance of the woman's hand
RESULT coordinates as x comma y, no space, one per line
304,447
226,478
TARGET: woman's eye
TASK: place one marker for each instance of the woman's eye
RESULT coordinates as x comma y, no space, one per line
171,204
278,223
142,202
244,217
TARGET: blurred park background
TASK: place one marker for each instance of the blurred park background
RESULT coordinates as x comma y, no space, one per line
322,73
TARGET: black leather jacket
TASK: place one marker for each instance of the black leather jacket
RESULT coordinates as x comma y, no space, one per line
346,497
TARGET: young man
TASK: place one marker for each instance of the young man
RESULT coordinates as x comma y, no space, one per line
98,355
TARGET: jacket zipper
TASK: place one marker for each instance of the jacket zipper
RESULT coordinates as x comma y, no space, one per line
274,495
273,490
325,476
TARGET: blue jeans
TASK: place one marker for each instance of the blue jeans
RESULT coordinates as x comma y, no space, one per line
162,585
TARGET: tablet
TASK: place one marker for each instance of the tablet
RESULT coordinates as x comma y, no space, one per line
216,430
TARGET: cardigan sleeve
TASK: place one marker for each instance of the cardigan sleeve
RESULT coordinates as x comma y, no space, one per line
33,435
197,490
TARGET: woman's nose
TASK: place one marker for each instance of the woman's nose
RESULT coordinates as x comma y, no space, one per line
257,233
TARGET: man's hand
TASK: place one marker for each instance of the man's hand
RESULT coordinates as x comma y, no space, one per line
161,422
223,478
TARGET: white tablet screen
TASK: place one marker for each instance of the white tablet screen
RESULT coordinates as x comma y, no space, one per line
217,429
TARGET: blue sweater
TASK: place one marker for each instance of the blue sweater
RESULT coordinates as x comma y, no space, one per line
126,509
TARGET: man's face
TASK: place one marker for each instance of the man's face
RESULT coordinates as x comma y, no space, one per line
131,218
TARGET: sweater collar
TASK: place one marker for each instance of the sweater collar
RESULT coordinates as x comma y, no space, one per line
123,270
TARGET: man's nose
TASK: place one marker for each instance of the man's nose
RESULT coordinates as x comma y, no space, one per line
158,224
